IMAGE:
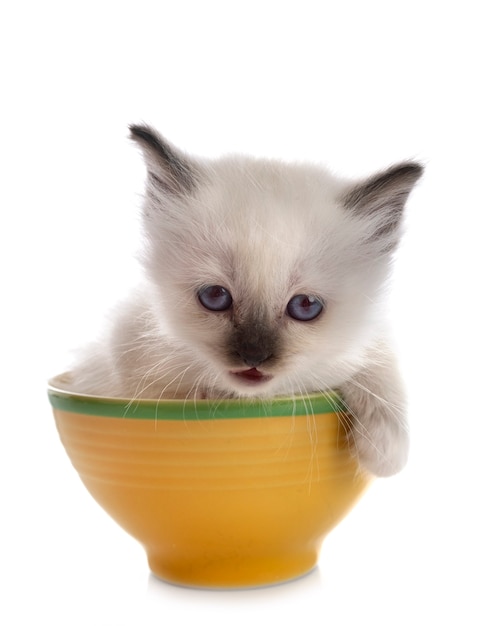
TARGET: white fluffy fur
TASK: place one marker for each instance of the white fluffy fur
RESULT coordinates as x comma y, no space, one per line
265,231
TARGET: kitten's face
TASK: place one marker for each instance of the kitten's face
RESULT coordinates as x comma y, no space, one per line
268,275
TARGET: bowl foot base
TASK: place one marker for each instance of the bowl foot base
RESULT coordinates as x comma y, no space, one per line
237,573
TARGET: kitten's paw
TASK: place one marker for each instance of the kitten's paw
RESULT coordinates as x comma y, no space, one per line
384,453
378,435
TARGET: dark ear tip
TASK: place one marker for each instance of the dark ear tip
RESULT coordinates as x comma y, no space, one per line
150,141
142,131
411,169
165,163
389,188
403,175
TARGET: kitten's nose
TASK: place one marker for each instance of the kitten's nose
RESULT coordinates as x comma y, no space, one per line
254,342
253,356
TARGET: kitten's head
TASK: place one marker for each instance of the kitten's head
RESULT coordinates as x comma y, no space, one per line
271,275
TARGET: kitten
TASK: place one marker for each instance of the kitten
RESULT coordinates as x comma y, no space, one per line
263,278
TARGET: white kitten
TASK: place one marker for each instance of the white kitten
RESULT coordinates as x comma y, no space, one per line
263,278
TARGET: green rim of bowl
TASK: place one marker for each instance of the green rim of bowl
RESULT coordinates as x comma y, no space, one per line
193,409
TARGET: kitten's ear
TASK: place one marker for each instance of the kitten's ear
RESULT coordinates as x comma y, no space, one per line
168,169
382,197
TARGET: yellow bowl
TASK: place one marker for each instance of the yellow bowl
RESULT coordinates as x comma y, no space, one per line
221,494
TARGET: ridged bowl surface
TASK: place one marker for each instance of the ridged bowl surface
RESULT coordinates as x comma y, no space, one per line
226,494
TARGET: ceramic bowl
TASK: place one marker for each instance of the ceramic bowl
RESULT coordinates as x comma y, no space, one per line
221,494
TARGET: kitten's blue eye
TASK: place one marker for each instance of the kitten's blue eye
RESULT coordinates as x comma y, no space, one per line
304,308
215,298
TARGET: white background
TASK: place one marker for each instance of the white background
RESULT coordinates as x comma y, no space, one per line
355,85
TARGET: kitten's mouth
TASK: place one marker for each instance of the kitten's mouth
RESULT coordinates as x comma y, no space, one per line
252,376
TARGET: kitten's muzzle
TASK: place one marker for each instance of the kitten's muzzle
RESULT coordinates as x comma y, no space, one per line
252,357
